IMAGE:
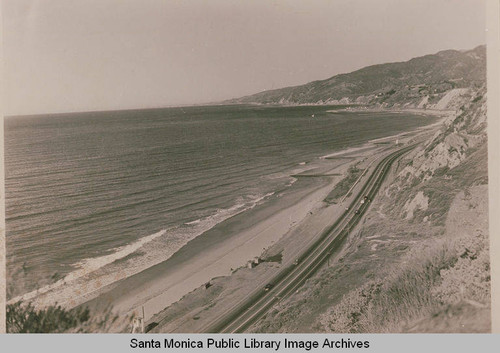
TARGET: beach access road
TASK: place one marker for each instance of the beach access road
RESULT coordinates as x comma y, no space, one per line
241,316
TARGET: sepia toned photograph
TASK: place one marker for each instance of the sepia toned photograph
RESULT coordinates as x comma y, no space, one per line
246,166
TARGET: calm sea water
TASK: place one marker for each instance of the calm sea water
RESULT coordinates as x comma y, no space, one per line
124,190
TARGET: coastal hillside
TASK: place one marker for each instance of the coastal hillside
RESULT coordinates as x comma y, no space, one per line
420,82
419,262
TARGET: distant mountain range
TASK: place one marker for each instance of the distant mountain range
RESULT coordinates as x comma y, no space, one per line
390,84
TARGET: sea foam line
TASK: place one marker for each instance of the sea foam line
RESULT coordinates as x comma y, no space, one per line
223,214
344,151
90,265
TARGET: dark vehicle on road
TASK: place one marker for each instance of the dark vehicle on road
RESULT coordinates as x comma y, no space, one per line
268,287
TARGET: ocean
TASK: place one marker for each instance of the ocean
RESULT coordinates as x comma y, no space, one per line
104,195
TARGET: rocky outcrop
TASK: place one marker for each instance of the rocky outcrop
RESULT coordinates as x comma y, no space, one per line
420,201
436,210
461,134
451,100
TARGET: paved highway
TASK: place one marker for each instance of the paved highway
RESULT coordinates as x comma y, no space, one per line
286,282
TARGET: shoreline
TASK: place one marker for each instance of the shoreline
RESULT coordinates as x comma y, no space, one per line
227,246
197,307
179,316
234,241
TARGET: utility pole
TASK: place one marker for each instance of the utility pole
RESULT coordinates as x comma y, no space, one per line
143,318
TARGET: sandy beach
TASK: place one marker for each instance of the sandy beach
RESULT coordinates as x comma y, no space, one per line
274,230
227,246
204,305
283,225
263,231
158,269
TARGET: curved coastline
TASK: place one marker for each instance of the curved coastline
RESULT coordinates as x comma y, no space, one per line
230,243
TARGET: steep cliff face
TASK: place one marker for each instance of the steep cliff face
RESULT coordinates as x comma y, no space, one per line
463,134
436,209
419,261
420,82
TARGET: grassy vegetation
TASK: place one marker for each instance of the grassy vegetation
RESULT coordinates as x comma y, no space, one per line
441,189
432,278
406,294
344,185
445,275
397,273
473,171
426,273
404,275
443,283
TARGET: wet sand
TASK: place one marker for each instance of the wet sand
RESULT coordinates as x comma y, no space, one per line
232,243
227,246
198,308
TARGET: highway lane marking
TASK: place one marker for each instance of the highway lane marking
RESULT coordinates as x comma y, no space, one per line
374,181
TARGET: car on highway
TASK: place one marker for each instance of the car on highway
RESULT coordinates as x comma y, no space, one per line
268,287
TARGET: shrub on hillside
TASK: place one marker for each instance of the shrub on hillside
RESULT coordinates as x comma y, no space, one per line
25,318
403,296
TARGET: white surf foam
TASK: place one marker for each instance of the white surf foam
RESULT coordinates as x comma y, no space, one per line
348,150
292,181
88,266
76,287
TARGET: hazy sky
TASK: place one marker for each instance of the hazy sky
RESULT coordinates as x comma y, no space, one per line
69,55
